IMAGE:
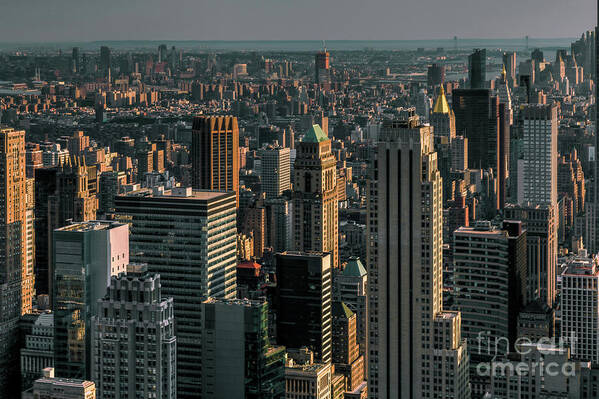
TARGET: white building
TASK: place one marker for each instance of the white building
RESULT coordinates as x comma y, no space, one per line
580,308
539,165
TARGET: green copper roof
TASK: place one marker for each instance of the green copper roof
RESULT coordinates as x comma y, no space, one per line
341,309
314,135
354,268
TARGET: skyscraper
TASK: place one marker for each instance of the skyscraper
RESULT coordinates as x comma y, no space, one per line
61,194
85,256
408,327
16,280
315,209
477,119
442,117
435,75
540,223
189,237
509,63
238,360
303,299
134,347
276,171
490,288
105,61
322,67
538,177
580,308
215,153
477,69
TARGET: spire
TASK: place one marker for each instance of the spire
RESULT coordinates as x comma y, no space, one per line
503,72
441,105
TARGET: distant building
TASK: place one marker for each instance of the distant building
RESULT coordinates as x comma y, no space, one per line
435,75
322,67
134,346
276,171
477,69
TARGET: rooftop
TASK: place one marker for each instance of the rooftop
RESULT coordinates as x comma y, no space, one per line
354,268
314,135
93,225
177,192
441,105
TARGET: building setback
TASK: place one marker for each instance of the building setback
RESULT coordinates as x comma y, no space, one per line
85,256
134,347
189,237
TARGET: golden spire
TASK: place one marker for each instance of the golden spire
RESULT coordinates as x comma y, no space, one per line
503,72
441,105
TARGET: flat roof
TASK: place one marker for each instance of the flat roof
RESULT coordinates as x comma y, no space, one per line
92,225
193,194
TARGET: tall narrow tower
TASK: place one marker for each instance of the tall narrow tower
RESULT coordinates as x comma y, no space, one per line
410,335
316,216
215,153
16,279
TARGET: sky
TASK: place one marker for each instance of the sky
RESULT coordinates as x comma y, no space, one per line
92,20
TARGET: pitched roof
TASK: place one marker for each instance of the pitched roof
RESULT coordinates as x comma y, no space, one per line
340,309
314,135
441,105
354,268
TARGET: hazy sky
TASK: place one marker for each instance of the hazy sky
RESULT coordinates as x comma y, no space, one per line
87,20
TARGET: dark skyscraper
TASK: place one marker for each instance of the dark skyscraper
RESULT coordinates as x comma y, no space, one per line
75,59
322,67
104,60
435,75
477,119
303,298
477,69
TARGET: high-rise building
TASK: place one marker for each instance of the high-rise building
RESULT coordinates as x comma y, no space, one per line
435,75
509,63
75,60
215,153
276,171
580,308
309,380
349,287
411,337
61,195
189,237
134,348
315,209
442,118
490,288
540,223
538,177
303,300
237,358
345,350
477,69
85,256
16,279
105,60
279,222
322,67
477,119
162,53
